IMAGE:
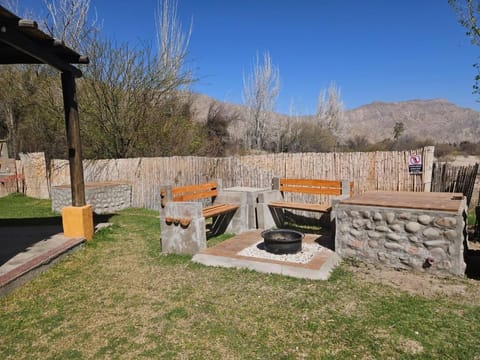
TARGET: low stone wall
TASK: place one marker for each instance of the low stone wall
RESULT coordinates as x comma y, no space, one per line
105,197
8,176
421,240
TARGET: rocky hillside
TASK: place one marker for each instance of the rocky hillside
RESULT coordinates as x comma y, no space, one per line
437,119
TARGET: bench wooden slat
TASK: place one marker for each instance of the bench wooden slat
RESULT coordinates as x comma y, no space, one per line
195,195
311,182
194,188
194,192
218,209
301,206
311,190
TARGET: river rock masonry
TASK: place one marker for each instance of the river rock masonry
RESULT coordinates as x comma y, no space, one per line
415,235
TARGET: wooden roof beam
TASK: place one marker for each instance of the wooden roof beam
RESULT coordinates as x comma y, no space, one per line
11,36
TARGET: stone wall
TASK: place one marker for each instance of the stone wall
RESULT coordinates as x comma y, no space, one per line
105,197
421,240
8,176
35,174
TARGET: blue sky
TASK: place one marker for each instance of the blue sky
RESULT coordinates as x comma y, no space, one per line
374,50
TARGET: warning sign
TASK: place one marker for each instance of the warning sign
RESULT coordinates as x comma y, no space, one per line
415,164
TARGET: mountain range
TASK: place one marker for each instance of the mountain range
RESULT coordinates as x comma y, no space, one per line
436,119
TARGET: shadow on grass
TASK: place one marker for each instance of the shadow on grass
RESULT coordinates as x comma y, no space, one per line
17,235
320,227
472,259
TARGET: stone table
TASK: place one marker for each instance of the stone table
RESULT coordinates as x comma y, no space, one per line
251,203
407,230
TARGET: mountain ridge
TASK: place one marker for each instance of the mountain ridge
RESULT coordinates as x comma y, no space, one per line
437,119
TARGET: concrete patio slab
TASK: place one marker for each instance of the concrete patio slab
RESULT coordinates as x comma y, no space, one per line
35,254
226,254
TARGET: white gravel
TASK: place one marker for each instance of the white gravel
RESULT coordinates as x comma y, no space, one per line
302,257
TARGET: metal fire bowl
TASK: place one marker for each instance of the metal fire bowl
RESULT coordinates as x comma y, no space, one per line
282,241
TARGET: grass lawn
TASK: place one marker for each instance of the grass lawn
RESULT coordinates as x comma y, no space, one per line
120,298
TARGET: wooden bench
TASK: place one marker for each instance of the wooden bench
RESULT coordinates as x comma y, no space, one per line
273,203
309,186
221,214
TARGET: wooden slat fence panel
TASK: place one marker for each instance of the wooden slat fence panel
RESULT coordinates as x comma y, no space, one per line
369,171
449,178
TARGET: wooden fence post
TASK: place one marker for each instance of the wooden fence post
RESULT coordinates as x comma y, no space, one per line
428,158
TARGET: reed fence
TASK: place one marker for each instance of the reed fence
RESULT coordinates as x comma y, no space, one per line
448,178
369,171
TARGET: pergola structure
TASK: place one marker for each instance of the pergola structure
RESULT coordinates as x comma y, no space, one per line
22,42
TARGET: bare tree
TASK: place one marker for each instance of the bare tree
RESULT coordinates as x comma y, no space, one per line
68,21
330,110
260,91
128,95
12,5
172,44
131,97
30,109
11,105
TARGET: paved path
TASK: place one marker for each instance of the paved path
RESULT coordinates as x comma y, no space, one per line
25,251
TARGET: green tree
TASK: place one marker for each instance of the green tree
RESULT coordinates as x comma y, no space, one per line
358,143
398,130
468,15
218,139
305,136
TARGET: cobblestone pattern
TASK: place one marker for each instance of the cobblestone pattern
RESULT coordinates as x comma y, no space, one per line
430,241
105,199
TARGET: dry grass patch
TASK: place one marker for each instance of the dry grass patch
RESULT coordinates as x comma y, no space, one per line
121,298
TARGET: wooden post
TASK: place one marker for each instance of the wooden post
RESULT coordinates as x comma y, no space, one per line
428,160
73,138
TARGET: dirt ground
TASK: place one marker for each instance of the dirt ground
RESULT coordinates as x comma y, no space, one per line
463,289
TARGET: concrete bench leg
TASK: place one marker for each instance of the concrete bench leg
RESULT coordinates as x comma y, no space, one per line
182,239
269,217
236,222
220,223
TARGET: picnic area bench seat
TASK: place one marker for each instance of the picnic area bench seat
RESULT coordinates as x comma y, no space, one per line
198,192
300,206
309,186
215,210
184,210
276,202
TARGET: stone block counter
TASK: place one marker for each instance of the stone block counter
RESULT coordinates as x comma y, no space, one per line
406,230
105,197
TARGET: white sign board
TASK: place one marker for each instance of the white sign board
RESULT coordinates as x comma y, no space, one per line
415,165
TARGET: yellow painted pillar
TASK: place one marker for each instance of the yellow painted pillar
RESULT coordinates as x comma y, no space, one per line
78,221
